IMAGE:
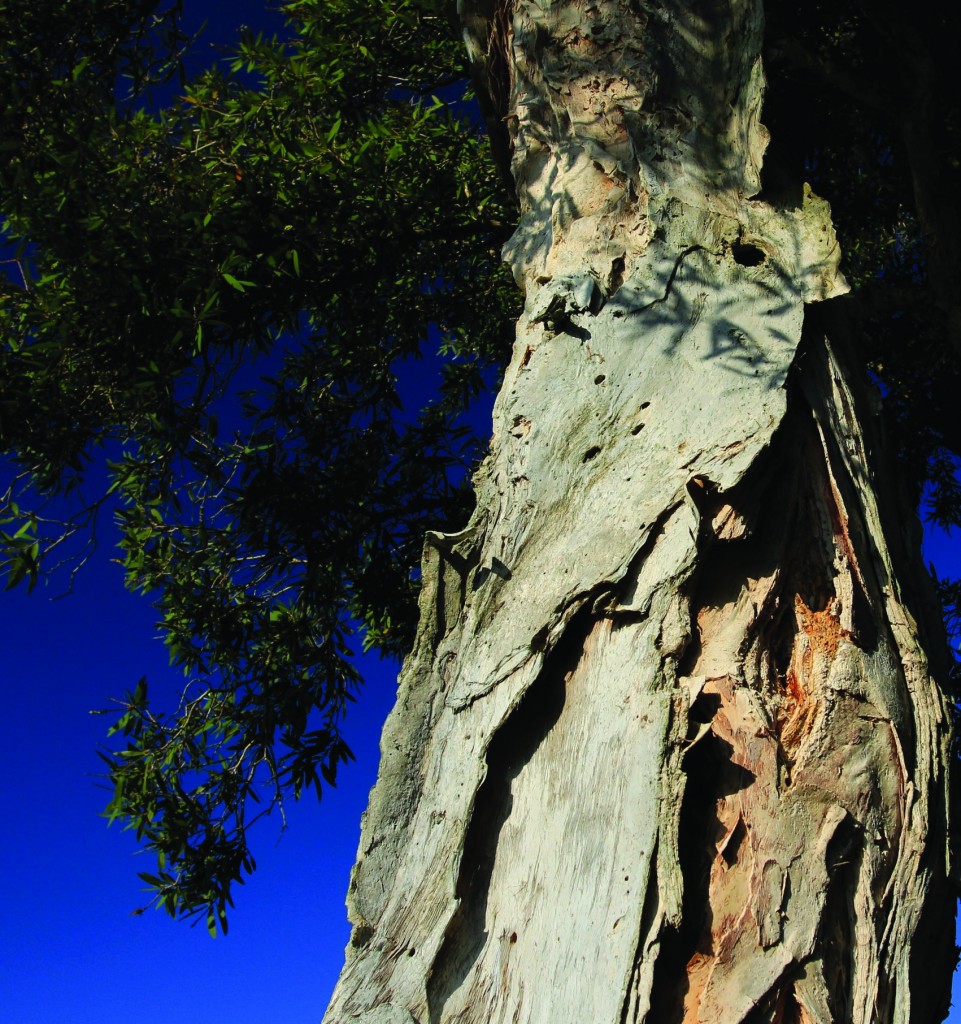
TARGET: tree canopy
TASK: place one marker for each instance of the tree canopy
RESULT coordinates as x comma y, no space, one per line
215,288
218,298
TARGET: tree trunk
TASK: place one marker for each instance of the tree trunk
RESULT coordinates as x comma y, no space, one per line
668,747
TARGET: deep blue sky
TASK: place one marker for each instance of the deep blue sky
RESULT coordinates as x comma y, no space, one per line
70,949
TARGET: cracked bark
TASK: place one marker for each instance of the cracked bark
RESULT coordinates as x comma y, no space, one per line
668,747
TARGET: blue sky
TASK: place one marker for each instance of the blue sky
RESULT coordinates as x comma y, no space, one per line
70,948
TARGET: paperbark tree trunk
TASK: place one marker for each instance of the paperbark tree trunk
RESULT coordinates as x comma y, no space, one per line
668,747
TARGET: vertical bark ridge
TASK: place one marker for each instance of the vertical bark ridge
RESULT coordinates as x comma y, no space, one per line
508,754
770,640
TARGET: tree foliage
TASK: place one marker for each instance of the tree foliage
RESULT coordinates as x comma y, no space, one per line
863,104
209,312
216,286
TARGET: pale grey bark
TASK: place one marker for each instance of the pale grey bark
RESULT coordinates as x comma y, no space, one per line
668,747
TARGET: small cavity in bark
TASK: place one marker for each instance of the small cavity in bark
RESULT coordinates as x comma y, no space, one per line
617,274
747,255
521,427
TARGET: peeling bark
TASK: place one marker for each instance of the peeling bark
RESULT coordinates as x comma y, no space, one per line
668,747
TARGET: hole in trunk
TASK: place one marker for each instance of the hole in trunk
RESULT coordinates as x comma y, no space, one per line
747,255
617,274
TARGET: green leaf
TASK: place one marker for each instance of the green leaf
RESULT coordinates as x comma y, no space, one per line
240,286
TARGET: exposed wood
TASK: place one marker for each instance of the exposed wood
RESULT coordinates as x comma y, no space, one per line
668,748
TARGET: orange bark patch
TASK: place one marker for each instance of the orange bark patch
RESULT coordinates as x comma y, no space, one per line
698,974
815,647
822,628
797,716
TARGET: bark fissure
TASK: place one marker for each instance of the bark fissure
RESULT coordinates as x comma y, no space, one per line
774,619
510,749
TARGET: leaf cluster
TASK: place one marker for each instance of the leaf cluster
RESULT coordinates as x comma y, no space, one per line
212,321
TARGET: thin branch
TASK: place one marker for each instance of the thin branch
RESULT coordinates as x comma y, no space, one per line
23,276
